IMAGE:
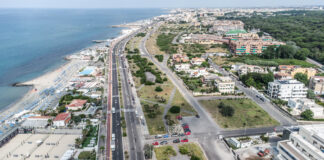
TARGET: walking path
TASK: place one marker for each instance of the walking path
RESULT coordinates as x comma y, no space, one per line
167,107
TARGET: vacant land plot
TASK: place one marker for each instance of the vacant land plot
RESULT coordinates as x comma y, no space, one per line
218,49
151,45
246,113
186,108
192,149
155,124
164,152
148,92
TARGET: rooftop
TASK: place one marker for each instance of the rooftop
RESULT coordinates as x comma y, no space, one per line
77,103
61,116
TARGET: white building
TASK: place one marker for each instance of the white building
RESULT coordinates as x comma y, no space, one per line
62,119
197,61
286,89
301,104
198,72
245,69
182,67
234,142
225,84
308,144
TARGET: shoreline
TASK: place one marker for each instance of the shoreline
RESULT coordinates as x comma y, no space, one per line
45,80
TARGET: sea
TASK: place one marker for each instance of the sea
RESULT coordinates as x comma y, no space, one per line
35,41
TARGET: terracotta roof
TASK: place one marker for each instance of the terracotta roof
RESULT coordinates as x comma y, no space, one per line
62,116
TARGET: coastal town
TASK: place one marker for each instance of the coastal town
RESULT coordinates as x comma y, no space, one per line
193,84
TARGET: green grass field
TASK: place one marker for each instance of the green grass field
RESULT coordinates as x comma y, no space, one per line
193,149
155,125
247,114
164,152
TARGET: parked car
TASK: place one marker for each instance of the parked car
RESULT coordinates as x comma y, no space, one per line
158,136
155,143
181,135
176,141
179,117
164,142
174,135
188,133
197,116
166,136
184,124
185,140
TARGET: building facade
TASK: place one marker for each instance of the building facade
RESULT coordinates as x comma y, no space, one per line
316,84
307,144
225,84
286,89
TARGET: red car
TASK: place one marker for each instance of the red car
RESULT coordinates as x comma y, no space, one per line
188,133
185,127
185,140
155,143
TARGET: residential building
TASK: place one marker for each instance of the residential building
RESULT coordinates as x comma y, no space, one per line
182,67
251,46
282,76
76,104
197,61
246,143
316,84
293,70
180,58
204,39
150,77
307,144
62,119
245,69
225,84
198,72
223,26
301,104
286,89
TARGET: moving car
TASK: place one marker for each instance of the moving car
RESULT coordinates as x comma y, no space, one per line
185,140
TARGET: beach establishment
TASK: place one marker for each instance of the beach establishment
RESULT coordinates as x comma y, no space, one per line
39,146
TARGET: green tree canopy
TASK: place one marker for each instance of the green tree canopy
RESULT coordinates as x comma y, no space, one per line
301,77
308,114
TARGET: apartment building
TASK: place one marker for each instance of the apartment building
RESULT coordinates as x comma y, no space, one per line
251,46
307,144
316,83
227,25
182,67
203,39
292,70
225,84
286,89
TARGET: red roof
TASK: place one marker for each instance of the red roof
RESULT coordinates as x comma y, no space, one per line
77,103
62,116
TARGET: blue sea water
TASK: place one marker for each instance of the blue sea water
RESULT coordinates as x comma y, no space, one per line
35,41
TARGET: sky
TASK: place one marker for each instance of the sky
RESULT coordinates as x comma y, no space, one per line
153,3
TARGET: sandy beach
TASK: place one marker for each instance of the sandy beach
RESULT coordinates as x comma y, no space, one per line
39,84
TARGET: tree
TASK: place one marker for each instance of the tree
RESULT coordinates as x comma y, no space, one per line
61,109
227,111
302,54
175,109
250,82
310,94
308,114
301,77
205,64
78,142
148,151
158,89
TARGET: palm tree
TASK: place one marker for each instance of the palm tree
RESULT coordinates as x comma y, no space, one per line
102,148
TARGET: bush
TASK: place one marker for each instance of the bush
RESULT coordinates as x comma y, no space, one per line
159,58
87,155
227,111
183,150
175,109
158,89
308,114
193,157
266,139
